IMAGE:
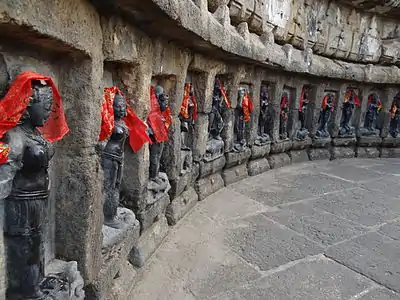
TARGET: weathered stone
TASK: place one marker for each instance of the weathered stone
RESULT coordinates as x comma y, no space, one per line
369,141
280,146
123,283
148,242
390,152
260,151
299,145
258,166
152,212
208,168
237,158
342,152
367,152
390,142
181,206
279,160
299,156
209,185
319,153
182,182
344,142
235,174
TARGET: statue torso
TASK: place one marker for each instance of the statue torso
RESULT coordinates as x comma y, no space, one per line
115,145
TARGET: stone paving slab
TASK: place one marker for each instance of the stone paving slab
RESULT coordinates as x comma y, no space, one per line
391,230
380,294
352,172
373,255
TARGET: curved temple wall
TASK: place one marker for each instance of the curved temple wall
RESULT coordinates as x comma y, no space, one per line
85,46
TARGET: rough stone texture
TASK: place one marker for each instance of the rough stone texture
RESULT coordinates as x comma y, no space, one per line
299,156
208,168
184,181
280,146
390,152
260,151
209,185
181,206
152,212
342,152
367,152
279,160
237,158
258,166
319,153
123,283
234,174
148,242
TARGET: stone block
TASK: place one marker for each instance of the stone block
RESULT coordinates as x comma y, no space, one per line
182,182
260,151
116,246
342,152
258,166
235,174
390,152
367,152
237,158
153,212
279,160
369,141
123,283
300,145
391,142
149,242
344,142
298,156
319,154
322,143
181,205
209,185
208,168
280,146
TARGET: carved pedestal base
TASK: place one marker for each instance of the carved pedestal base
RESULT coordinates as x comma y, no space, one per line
344,148
391,142
260,151
214,150
184,181
237,158
208,168
258,166
390,152
153,212
368,146
148,242
209,185
321,149
181,205
235,174
281,146
390,147
279,160
300,145
117,243
298,156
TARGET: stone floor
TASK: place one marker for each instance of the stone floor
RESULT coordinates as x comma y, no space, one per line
313,231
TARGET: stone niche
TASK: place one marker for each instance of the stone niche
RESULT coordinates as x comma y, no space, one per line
59,212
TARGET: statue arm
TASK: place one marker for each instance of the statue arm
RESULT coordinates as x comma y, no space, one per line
12,166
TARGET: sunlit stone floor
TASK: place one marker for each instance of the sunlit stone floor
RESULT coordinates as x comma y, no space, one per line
312,231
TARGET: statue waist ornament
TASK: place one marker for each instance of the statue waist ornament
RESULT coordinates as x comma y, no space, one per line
118,157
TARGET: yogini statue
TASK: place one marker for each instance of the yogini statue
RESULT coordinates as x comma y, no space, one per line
350,101
327,107
118,122
242,115
215,144
374,107
284,116
264,118
187,116
31,117
395,117
302,132
159,121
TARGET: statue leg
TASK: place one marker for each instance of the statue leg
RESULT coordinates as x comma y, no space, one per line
112,172
156,151
24,240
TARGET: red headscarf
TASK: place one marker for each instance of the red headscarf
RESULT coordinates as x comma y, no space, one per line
247,106
302,98
325,103
184,112
224,95
15,102
137,128
284,102
159,121
380,106
348,95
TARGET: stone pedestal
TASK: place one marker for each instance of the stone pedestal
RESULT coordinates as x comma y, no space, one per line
236,166
210,179
300,149
281,146
148,242
152,212
181,205
390,147
343,147
368,146
117,243
320,149
260,151
279,160
258,166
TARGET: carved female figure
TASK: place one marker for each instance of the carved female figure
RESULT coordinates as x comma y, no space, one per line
327,108
242,115
284,116
31,117
374,106
395,117
302,132
118,122
264,116
187,115
350,101
159,121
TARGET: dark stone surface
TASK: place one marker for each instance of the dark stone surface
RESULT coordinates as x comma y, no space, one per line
369,141
260,151
279,160
267,245
208,168
209,185
152,212
181,206
319,154
373,255
237,158
258,166
280,146
299,145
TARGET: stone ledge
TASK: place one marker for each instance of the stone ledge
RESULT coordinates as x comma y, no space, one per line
298,156
258,166
181,205
235,174
279,160
237,158
212,167
209,185
260,151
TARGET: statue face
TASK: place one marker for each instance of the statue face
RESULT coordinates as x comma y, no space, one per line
119,106
241,93
163,101
40,106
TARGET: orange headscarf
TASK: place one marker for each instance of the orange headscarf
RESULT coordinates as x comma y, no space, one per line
348,95
247,106
380,106
224,95
15,102
302,98
137,128
159,121
325,103
184,112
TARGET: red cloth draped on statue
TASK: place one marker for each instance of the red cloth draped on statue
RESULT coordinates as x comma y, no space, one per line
159,121
247,106
393,110
137,128
184,112
224,95
284,103
302,100
325,103
348,95
15,102
380,106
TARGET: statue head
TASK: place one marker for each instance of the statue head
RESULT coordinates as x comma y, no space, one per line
241,92
264,93
397,99
39,107
119,106
217,89
284,101
331,97
161,97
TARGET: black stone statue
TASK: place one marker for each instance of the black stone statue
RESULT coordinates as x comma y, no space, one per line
264,118
324,117
112,160
370,123
240,143
350,101
302,131
284,116
395,117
